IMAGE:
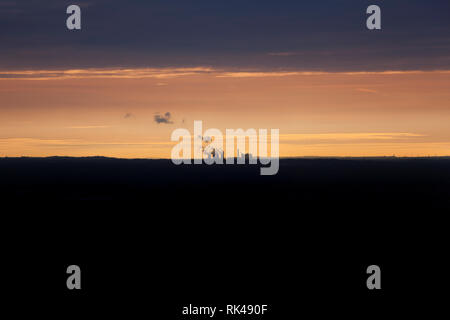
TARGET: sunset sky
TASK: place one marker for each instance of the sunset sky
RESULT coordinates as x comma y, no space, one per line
308,68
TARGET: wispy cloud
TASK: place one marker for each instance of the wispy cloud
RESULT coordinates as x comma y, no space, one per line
298,137
166,73
75,142
335,138
256,74
138,73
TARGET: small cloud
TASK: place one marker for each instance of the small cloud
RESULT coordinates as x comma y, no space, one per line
160,84
128,115
166,118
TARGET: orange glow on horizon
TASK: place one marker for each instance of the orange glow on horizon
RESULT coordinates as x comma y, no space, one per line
110,112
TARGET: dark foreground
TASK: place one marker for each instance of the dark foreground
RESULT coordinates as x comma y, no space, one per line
149,235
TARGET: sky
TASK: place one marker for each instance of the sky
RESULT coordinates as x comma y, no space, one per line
138,70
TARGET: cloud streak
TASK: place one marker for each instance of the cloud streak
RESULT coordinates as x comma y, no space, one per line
136,73
166,73
336,137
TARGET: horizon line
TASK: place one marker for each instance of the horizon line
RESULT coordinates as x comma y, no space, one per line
285,158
